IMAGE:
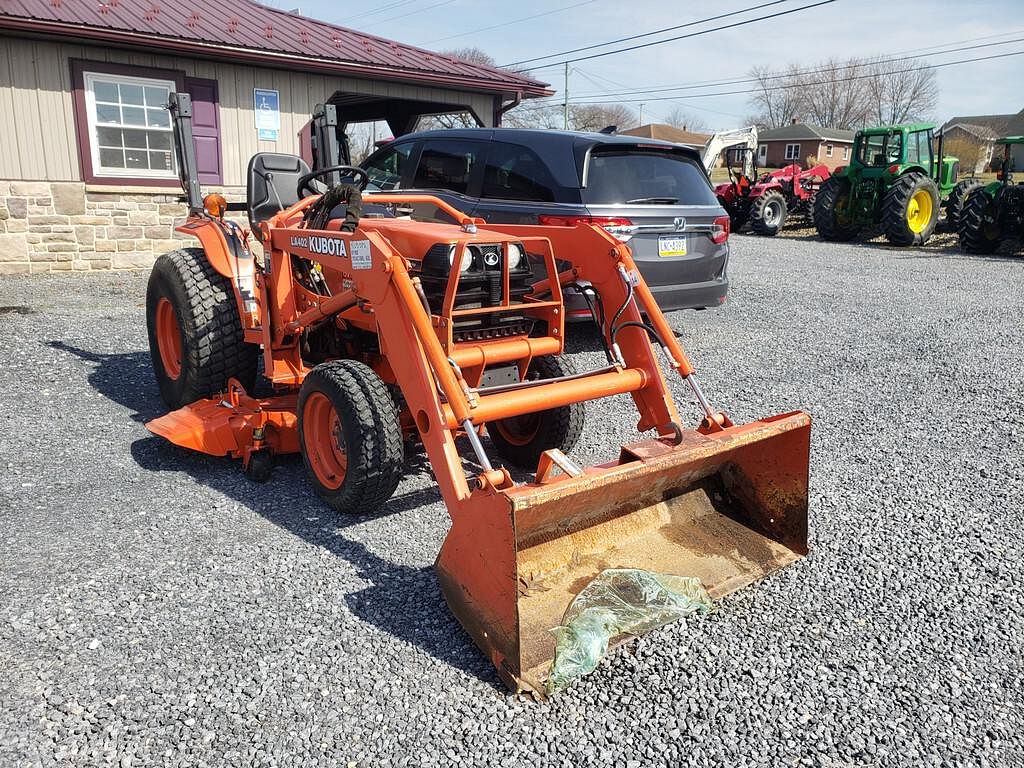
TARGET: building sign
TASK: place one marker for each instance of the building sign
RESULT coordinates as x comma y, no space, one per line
267,105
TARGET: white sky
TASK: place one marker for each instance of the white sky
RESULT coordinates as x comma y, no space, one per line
842,29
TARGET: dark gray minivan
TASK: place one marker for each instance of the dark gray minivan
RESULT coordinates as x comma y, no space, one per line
649,193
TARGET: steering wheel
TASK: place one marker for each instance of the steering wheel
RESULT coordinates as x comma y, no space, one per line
362,178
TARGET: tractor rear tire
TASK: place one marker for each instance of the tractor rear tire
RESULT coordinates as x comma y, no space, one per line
768,213
956,200
834,193
195,332
910,210
521,440
979,228
350,436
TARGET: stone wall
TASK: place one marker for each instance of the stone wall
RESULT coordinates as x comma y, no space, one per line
59,226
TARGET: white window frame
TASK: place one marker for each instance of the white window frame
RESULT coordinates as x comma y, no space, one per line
89,79
762,154
792,151
846,153
828,150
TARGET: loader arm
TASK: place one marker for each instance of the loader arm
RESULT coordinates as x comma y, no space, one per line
741,137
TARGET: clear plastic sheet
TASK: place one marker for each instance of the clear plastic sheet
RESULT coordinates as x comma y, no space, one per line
619,601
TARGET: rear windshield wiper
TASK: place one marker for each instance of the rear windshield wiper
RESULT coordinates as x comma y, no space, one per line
663,200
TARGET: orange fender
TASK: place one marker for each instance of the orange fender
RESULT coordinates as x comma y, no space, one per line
228,252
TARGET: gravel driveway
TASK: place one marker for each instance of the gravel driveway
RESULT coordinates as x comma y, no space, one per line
158,609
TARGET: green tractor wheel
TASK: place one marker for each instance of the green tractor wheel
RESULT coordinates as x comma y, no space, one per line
956,200
831,210
979,224
910,210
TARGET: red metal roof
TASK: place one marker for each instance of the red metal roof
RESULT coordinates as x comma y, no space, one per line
242,30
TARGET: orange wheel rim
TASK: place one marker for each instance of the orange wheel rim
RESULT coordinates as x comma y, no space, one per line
323,441
168,338
519,430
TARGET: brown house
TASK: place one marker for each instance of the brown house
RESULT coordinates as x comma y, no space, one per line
798,142
87,176
976,135
669,133
973,144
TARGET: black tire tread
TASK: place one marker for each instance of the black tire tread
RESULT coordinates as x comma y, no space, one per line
823,211
373,436
971,227
757,222
894,207
212,336
956,201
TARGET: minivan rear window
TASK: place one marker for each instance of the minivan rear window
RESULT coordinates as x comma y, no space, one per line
641,176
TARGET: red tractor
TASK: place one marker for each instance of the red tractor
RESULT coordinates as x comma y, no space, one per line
766,202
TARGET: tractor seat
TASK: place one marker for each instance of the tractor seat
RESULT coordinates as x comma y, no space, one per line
271,186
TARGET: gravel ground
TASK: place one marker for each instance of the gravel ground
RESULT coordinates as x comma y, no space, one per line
158,609
944,241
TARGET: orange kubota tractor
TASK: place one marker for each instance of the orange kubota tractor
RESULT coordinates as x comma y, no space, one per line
380,331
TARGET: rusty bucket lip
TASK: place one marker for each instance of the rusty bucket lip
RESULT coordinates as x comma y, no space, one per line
699,446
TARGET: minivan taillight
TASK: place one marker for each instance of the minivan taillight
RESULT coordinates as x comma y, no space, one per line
720,230
619,226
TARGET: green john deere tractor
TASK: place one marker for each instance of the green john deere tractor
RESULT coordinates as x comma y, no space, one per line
995,211
893,181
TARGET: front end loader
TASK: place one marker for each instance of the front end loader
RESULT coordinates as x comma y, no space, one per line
379,332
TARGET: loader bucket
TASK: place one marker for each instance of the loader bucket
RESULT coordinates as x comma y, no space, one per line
728,508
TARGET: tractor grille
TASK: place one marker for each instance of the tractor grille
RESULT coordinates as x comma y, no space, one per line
480,286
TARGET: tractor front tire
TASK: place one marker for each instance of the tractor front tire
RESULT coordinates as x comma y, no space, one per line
978,227
956,201
521,440
768,213
196,340
910,210
829,202
350,436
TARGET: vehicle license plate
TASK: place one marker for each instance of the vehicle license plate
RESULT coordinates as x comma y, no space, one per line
671,246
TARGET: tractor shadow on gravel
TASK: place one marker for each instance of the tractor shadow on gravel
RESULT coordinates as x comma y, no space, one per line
402,600
125,378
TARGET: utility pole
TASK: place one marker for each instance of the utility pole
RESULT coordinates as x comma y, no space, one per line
641,113
565,106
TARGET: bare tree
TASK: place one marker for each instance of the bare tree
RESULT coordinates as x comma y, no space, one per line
844,93
901,91
535,113
680,118
835,94
594,117
472,55
775,106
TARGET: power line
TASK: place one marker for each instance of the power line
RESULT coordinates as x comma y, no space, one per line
648,34
677,37
509,23
409,13
379,9
783,75
804,85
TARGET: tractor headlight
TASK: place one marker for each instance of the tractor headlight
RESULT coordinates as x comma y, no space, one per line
515,255
467,257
